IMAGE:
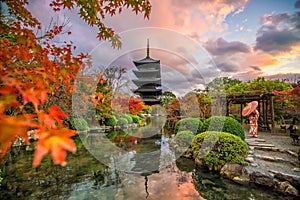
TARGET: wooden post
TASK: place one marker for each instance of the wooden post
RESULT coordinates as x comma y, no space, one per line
272,114
241,113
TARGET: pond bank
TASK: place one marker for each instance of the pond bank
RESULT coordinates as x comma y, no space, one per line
272,162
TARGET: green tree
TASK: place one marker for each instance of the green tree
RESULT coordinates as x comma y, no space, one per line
103,98
221,84
167,97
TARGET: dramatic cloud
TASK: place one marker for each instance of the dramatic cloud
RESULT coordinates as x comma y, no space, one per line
279,33
276,41
222,47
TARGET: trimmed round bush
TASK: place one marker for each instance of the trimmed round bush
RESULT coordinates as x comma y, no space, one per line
214,149
122,121
223,124
184,138
129,118
136,119
111,121
191,124
79,124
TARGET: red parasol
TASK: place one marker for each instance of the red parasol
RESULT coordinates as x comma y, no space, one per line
249,108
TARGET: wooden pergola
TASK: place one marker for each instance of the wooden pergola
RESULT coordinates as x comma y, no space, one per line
265,106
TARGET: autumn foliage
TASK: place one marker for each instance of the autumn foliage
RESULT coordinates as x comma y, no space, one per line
291,98
33,69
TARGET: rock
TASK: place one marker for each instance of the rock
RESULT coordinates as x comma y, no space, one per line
249,159
286,187
293,179
291,190
261,178
242,181
234,170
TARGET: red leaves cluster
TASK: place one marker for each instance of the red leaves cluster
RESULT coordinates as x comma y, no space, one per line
33,71
291,97
122,104
30,74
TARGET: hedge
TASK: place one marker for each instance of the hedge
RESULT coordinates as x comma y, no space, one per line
223,124
191,124
219,148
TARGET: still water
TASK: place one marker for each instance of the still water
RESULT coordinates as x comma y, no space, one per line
137,164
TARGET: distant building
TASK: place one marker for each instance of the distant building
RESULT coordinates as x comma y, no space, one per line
149,79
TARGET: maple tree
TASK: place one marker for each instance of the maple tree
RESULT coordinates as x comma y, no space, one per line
124,104
291,99
34,69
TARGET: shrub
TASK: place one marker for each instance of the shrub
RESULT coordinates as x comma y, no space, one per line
110,121
129,118
136,119
79,124
191,124
218,149
122,121
223,124
184,138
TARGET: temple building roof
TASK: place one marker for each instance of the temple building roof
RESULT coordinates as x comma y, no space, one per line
142,82
147,59
148,73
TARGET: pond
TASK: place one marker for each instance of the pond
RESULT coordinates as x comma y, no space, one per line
136,164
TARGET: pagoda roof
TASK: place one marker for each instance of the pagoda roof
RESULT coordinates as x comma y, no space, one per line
151,101
146,73
141,82
148,90
147,59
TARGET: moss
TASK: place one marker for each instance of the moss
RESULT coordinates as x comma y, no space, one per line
191,124
214,149
223,124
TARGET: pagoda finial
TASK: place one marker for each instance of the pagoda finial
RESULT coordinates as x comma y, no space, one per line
148,52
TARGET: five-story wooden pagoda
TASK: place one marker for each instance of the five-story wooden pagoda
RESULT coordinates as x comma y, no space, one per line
149,79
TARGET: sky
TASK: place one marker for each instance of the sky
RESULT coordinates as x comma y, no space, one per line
196,40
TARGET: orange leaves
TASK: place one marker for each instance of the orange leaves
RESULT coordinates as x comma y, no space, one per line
12,127
135,106
50,119
97,97
56,142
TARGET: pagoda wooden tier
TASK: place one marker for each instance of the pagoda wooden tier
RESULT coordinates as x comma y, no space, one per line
148,79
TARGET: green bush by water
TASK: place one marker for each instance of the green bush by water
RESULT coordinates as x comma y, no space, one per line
122,121
223,124
129,118
218,149
136,119
191,124
111,121
184,138
79,124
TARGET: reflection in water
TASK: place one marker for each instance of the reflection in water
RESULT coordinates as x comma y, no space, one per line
148,171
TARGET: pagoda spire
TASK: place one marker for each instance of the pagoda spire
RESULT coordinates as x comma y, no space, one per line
148,51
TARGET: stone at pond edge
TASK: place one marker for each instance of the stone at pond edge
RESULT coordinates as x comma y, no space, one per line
285,187
235,172
261,178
